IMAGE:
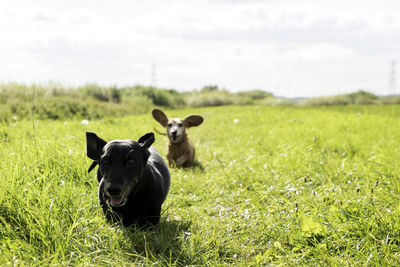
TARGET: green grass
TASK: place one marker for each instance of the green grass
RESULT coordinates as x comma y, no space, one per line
283,185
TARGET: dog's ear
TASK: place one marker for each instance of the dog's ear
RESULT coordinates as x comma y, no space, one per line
192,120
94,145
160,116
146,140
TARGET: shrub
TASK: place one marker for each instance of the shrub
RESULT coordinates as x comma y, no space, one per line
159,97
216,98
20,92
360,97
390,100
104,94
210,88
256,94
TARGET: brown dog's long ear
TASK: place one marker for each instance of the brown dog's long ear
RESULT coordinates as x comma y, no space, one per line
192,120
94,145
160,116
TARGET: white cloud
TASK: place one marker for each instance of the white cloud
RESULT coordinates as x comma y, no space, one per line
290,47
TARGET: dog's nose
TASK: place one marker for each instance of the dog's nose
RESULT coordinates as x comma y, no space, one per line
174,133
114,190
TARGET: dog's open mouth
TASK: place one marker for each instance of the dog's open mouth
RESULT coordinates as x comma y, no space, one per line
174,138
117,201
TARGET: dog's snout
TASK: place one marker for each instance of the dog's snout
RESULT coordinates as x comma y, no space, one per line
114,190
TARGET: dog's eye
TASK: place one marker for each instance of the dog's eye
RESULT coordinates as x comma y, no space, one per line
131,162
180,124
169,125
105,163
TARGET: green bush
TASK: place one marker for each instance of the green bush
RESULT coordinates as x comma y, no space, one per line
104,94
67,107
209,88
390,100
216,98
327,101
59,108
159,97
20,92
360,97
256,94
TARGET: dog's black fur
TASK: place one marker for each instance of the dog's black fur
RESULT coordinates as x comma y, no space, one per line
134,179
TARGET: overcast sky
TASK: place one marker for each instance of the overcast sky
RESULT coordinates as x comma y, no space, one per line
289,47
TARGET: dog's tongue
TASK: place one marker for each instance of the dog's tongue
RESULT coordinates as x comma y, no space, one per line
116,200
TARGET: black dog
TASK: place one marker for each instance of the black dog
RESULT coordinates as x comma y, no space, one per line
134,179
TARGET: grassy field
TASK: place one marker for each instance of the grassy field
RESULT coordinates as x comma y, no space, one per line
273,185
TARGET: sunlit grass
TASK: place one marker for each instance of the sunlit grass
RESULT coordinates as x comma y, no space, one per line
272,185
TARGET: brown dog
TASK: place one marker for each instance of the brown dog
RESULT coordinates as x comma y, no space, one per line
180,149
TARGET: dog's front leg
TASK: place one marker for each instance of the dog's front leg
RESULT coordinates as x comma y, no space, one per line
171,163
181,161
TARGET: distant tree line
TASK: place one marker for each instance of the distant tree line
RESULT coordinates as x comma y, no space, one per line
92,101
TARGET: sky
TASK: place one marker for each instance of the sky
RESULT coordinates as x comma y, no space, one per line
291,48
